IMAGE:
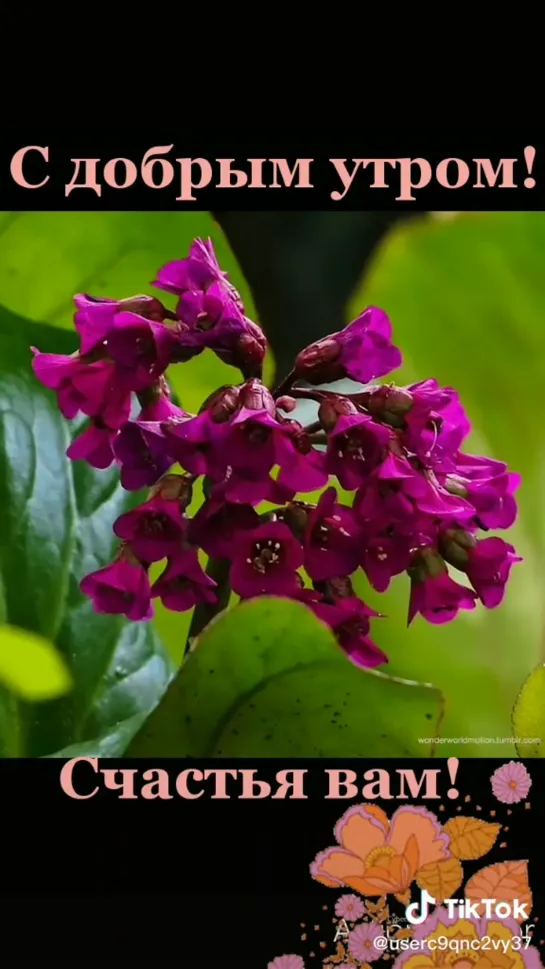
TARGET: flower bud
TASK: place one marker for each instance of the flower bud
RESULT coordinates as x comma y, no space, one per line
175,487
295,515
388,404
146,306
319,363
222,404
287,404
455,486
334,589
455,544
300,438
333,407
426,564
248,353
255,396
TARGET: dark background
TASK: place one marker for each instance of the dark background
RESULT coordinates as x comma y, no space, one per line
88,872
242,144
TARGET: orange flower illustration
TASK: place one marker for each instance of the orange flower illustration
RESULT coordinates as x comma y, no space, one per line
378,856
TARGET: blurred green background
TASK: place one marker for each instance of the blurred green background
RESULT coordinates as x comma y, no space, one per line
466,296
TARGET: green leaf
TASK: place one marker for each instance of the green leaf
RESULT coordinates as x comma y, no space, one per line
30,666
529,715
466,299
47,257
267,679
56,526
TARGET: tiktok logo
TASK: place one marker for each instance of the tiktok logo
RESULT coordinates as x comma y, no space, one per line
464,908
423,906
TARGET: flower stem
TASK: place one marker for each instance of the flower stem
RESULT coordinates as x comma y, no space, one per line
285,385
217,569
312,428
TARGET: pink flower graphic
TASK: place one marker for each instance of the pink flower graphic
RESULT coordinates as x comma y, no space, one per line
499,933
349,907
287,962
511,782
362,942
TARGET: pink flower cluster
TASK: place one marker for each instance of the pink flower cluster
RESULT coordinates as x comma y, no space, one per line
419,502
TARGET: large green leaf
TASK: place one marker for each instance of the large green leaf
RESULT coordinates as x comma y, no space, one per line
467,297
267,679
529,715
56,526
47,257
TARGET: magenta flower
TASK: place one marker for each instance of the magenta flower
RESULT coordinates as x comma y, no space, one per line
349,907
434,595
56,372
488,486
419,504
362,942
332,539
217,525
511,782
302,467
184,583
488,568
162,411
250,443
94,317
362,351
121,588
215,320
140,349
287,962
142,451
95,446
265,562
197,444
398,494
356,447
436,424
385,554
251,487
155,530
87,387
348,618
197,272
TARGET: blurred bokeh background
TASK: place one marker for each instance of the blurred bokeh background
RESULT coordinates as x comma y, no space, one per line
466,296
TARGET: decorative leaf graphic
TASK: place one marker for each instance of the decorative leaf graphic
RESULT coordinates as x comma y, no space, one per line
505,881
471,838
441,879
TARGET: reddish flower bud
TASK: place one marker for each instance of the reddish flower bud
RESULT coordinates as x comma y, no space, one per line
334,407
255,396
287,404
222,404
147,306
335,589
319,363
175,487
388,404
248,353
295,515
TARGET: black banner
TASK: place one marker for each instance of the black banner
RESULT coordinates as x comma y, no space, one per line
352,169
225,863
